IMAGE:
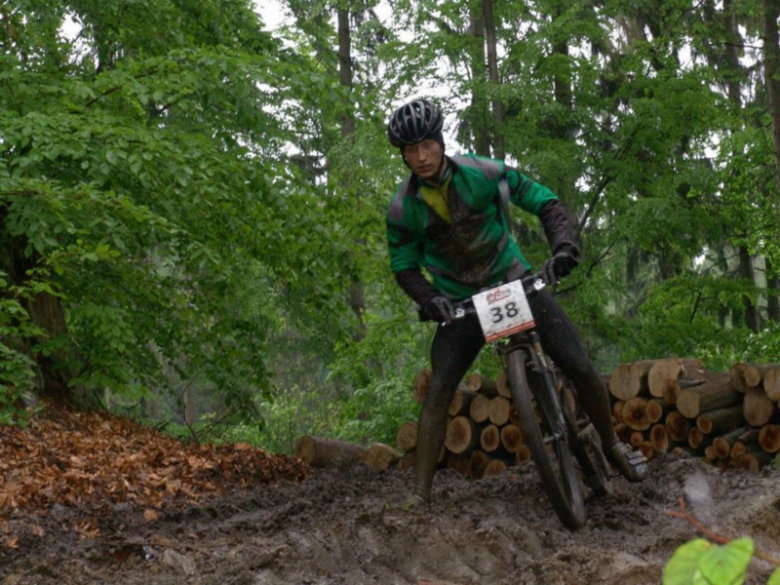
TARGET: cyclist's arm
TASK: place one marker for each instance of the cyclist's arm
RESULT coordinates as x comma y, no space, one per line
542,202
405,263
416,286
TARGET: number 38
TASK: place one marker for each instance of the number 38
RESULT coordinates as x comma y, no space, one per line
508,311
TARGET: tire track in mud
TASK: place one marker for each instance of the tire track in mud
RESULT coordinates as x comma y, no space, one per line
345,526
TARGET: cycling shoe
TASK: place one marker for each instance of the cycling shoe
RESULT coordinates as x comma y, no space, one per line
631,464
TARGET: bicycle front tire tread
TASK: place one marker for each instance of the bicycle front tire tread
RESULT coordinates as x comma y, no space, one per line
563,486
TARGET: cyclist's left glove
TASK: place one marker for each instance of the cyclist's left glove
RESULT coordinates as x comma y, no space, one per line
560,265
440,309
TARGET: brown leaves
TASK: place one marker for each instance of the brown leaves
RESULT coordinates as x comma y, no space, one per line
95,459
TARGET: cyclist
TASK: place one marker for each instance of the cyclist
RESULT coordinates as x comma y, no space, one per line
449,217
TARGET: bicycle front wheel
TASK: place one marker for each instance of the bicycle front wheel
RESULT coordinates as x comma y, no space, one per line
551,455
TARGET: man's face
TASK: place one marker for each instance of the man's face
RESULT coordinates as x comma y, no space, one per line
424,159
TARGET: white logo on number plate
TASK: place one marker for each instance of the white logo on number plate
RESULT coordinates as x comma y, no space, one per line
503,310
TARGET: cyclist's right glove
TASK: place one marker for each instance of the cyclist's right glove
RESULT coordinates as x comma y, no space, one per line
439,309
560,265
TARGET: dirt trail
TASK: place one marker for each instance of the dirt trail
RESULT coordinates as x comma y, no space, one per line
344,526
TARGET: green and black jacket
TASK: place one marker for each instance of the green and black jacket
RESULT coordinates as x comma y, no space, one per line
475,248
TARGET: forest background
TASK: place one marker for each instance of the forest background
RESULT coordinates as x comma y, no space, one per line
192,206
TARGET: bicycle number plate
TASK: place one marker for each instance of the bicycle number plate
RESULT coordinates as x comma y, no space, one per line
503,310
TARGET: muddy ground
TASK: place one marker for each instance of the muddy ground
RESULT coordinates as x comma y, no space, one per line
344,526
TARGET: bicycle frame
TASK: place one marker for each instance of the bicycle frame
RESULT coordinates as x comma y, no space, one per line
558,437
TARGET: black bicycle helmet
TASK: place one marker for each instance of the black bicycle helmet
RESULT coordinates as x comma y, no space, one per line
415,122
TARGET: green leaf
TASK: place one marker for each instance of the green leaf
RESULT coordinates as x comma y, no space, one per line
726,564
775,578
683,568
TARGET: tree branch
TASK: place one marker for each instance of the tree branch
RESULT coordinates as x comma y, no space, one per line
682,513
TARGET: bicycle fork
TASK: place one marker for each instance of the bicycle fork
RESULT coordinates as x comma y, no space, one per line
547,398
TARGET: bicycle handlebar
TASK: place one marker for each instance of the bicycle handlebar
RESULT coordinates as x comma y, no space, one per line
532,284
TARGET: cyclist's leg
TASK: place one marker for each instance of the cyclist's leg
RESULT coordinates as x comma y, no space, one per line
562,342
453,350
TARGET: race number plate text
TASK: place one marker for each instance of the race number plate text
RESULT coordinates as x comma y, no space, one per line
503,310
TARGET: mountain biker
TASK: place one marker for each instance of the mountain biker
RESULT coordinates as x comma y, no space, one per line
449,217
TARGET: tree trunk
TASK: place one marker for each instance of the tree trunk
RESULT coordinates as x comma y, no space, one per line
479,410
482,384
461,401
718,392
657,409
772,384
734,86
635,439
502,385
57,369
753,461
461,434
746,441
46,312
319,452
406,436
696,439
720,420
772,290
630,380
511,437
477,114
677,426
523,453
617,411
623,432
769,438
379,456
771,71
725,442
498,410
357,300
635,414
752,317
478,464
659,438
408,460
737,374
490,438
459,462
190,411
755,373
757,408
663,375
492,58
495,468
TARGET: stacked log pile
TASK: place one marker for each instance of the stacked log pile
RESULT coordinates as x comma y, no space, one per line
483,437
728,418
666,405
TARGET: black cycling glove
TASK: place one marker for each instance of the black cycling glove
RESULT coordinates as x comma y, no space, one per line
439,309
560,265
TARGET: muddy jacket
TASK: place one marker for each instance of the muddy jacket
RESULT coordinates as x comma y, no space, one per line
473,247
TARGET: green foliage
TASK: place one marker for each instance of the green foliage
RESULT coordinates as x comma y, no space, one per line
375,413
700,562
17,370
16,378
286,417
145,188
774,579
183,188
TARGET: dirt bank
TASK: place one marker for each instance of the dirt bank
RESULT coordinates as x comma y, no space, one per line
344,526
